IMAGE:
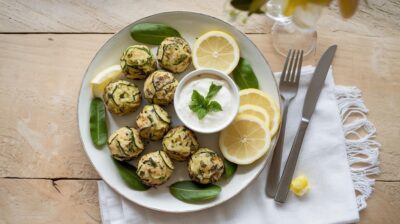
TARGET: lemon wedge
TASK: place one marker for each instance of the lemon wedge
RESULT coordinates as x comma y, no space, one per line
216,50
261,99
245,140
103,78
257,111
299,185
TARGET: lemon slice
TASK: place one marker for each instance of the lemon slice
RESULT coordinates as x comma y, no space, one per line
101,80
261,99
216,50
245,140
257,111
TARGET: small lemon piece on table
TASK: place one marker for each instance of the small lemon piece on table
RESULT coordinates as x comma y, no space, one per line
299,185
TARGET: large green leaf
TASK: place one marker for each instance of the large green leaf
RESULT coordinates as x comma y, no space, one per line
97,122
229,168
128,174
192,192
152,33
244,75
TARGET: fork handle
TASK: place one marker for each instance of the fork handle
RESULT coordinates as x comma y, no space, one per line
283,187
275,167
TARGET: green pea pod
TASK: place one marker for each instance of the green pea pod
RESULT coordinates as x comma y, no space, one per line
98,124
128,174
244,75
191,192
152,33
229,168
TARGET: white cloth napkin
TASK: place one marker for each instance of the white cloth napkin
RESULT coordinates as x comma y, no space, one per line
330,199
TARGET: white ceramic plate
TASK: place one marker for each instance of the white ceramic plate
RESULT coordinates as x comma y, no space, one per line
190,25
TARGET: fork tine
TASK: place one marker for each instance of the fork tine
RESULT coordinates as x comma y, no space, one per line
299,68
284,71
287,78
293,72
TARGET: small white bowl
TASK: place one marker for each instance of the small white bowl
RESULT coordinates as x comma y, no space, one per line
235,99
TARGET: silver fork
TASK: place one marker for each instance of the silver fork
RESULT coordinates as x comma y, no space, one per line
288,86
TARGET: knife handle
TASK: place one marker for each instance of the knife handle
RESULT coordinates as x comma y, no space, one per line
284,183
275,167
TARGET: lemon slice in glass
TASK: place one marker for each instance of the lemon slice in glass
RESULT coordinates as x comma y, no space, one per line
261,99
245,140
101,80
216,50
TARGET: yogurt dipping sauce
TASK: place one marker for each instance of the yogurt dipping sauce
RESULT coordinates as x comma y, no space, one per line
201,81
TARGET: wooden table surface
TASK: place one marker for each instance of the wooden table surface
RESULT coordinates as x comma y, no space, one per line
46,45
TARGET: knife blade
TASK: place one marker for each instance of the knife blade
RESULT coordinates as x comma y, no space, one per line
310,102
317,82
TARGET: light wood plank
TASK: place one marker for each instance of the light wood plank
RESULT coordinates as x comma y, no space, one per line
384,205
104,16
40,130
76,201
46,201
381,19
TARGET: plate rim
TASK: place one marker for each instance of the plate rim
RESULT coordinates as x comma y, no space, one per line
264,164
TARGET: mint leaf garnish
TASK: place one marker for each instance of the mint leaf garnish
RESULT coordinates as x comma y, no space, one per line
212,91
198,100
214,106
201,113
202,105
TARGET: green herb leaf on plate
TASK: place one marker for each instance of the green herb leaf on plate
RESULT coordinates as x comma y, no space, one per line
244,76
212,91
229,168
201,113
128,174
189,191
214,106
97,123
152,33
201,105
198,100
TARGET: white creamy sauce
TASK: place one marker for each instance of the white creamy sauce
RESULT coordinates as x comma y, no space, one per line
213,119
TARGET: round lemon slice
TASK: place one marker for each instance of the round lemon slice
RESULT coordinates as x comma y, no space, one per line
245,140
103,78
261,99
216,50
257,111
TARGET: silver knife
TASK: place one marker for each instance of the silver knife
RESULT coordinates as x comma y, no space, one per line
313,92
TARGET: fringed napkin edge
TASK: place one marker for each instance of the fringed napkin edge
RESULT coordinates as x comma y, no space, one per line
361,146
